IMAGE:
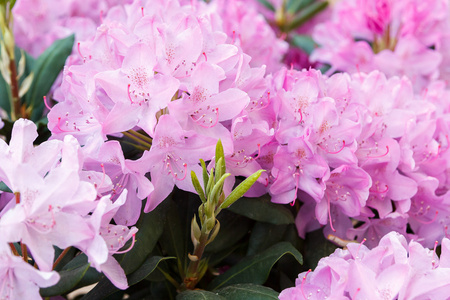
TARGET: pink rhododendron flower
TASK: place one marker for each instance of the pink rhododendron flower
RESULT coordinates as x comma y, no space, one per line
391,270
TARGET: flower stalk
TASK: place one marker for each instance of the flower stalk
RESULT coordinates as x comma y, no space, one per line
213,201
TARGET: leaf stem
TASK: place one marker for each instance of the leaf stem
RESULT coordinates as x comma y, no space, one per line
192,274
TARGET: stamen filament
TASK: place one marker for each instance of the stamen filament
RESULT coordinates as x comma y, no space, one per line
378,156
329,212
303,283
129,248
331,152
46,104
128,92
380,192
431,221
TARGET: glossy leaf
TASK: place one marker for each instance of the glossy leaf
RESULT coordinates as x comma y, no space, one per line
241,189
46,69
68,280
199,295
248,291
261,209
255,269
264,235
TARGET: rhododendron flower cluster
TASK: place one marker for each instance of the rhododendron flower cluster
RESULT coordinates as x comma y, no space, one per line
395,37
49,199
392,270
157,94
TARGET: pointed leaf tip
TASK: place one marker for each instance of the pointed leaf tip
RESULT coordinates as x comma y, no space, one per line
241,189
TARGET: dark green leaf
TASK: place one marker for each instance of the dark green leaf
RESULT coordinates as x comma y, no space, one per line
91,276
316,247
261,209
4,187
267,4
263,236
304,42
46,68
162,291
248,291
233,228
306,14
241,189
255,269
105,288
199,295
150,230
176,234
146,269
68,280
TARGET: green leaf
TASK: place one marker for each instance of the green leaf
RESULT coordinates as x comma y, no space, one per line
197,186
105,288
267,4
264,235
304,42
219,160
261,209
228,235
241,189
146,269
306,14
4,187
91,276
316,246
174,238
217,189
255,269
248,291
68,280
150,230
199,295
46,68
204,173
294,6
